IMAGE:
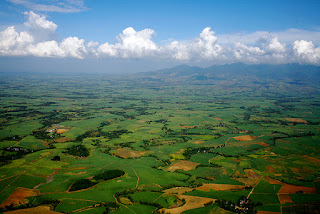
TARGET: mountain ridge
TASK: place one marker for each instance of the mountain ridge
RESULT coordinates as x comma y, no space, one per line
294,72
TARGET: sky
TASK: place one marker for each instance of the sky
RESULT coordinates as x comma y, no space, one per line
114,36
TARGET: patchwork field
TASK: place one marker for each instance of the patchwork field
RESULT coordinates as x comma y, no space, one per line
146,144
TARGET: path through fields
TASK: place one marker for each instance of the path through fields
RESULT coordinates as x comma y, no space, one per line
137,177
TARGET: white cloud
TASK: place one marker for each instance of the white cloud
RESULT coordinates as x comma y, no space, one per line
177,50
30,43
244,53
69,47
63,6
13,43
36,21
276,46
204,47
40,28
306,52
131,43
73,47
206,44
40,39
46,49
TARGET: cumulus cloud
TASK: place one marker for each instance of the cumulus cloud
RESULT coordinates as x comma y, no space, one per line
41,28
36,21
37,40
131,43
41,40
69,47
244,53
13,43
204,47
305,52
63,6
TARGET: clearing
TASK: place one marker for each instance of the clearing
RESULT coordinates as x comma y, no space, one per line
35,210
192,202
183,165
219,187
18,197
244,138
296,120
128,153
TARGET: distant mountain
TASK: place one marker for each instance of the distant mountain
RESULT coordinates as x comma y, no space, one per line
291,73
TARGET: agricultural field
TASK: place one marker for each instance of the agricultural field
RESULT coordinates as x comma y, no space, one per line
157,142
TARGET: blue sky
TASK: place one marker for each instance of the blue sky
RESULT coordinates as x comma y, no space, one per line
163,32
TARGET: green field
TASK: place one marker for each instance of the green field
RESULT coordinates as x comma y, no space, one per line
58,131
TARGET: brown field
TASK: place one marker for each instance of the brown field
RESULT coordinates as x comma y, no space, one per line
183,165
244,138
187,127
224,171
128,153
250,178
263,144
216,118
178,190
311,158
271,169
150,186
198,142
295,170
63,140
19,196
246,143
285,198
219,187
179,152
76,168
34,210
79,173
192,202
272,181
296,120
291,189
61,131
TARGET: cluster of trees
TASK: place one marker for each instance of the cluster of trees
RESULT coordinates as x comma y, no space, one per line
56,158
55,117
79,150
192,151
109,206
82,184
12,153
99,133
41,134
126,144
87,183
123,114
110,174
244,205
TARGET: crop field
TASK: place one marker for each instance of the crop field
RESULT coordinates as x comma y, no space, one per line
117,144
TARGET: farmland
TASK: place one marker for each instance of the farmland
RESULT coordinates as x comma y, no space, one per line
175,143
